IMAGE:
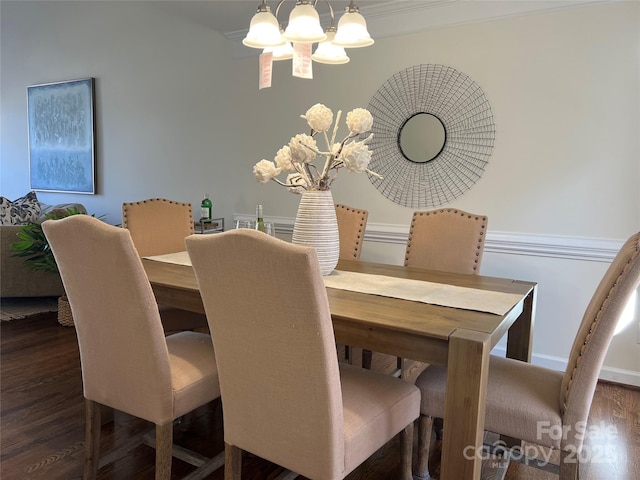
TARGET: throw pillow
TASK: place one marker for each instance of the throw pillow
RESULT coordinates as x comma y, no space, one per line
22,210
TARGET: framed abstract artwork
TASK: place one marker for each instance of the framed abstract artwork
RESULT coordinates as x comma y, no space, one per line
62,136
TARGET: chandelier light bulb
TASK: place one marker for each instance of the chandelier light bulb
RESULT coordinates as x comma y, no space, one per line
352,30
281,52
328,52
304,24
264,30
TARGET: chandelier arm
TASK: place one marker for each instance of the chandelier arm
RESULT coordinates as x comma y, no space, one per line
278,8
333,18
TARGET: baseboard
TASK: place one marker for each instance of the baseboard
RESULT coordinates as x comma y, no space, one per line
609,374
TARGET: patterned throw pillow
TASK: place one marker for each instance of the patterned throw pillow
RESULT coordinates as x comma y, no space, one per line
22,210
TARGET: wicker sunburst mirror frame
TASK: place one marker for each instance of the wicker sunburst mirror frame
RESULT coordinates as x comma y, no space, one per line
433,135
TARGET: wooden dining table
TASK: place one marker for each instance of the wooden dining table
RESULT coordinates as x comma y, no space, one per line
459,339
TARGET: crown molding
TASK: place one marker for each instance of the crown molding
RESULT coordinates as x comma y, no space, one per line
403,17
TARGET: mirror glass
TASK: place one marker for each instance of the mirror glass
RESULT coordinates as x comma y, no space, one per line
422,137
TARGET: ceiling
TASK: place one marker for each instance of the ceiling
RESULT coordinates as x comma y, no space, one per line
385,18
230,16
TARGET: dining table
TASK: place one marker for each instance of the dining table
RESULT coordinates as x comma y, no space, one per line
459,338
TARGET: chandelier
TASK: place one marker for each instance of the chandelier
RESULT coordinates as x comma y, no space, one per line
303,30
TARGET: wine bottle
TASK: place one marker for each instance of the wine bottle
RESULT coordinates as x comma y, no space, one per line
205,208
259,219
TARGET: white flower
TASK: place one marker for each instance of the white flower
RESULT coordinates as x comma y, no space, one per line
356,157
283,159
296,183
319,117
298,156
359,120
303,148
265,170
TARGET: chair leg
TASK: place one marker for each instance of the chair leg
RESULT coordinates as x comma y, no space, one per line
438,426
425,424
406,449
232,462
164,445
91,439
569,466
367,358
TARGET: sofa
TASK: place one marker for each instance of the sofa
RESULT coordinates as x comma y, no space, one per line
16,279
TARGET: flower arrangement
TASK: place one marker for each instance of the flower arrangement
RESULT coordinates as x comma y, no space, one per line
298,156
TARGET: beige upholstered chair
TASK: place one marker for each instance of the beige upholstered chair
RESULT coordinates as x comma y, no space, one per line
352,223
127,363
536,404
449,240
285,397
159,226
351,226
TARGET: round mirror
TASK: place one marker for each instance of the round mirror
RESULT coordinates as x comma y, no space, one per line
422,137
433,133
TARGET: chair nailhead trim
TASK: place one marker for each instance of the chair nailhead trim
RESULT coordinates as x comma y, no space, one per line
592,327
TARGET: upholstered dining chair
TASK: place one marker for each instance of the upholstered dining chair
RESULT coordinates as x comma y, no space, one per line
448,239
543,406
127,362
285,397
352,223
159,226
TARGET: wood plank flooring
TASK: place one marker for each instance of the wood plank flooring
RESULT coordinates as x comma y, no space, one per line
42,422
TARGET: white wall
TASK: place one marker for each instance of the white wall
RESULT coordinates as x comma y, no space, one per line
162,128
177,117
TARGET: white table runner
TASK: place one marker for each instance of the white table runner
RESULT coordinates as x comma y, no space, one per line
444,295
441,294
179,258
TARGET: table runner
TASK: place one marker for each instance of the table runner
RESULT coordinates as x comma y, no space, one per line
440,294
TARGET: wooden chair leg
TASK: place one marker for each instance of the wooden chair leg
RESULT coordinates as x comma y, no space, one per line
164,445
425,424
367,357
232,462
438,426
406,452
91,439
569,466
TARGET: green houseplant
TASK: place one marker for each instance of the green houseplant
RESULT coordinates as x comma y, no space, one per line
34,247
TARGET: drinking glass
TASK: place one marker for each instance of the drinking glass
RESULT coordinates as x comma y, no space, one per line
270,228
245,224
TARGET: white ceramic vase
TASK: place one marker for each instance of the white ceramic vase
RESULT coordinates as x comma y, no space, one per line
317,226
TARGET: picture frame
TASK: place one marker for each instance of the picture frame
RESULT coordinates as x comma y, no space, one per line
61,121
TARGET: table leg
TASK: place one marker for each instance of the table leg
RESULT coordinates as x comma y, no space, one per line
520,335
519,344
467,374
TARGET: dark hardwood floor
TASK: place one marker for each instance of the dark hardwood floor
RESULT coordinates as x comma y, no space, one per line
42,422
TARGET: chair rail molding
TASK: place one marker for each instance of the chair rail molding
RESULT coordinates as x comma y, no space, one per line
590,249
